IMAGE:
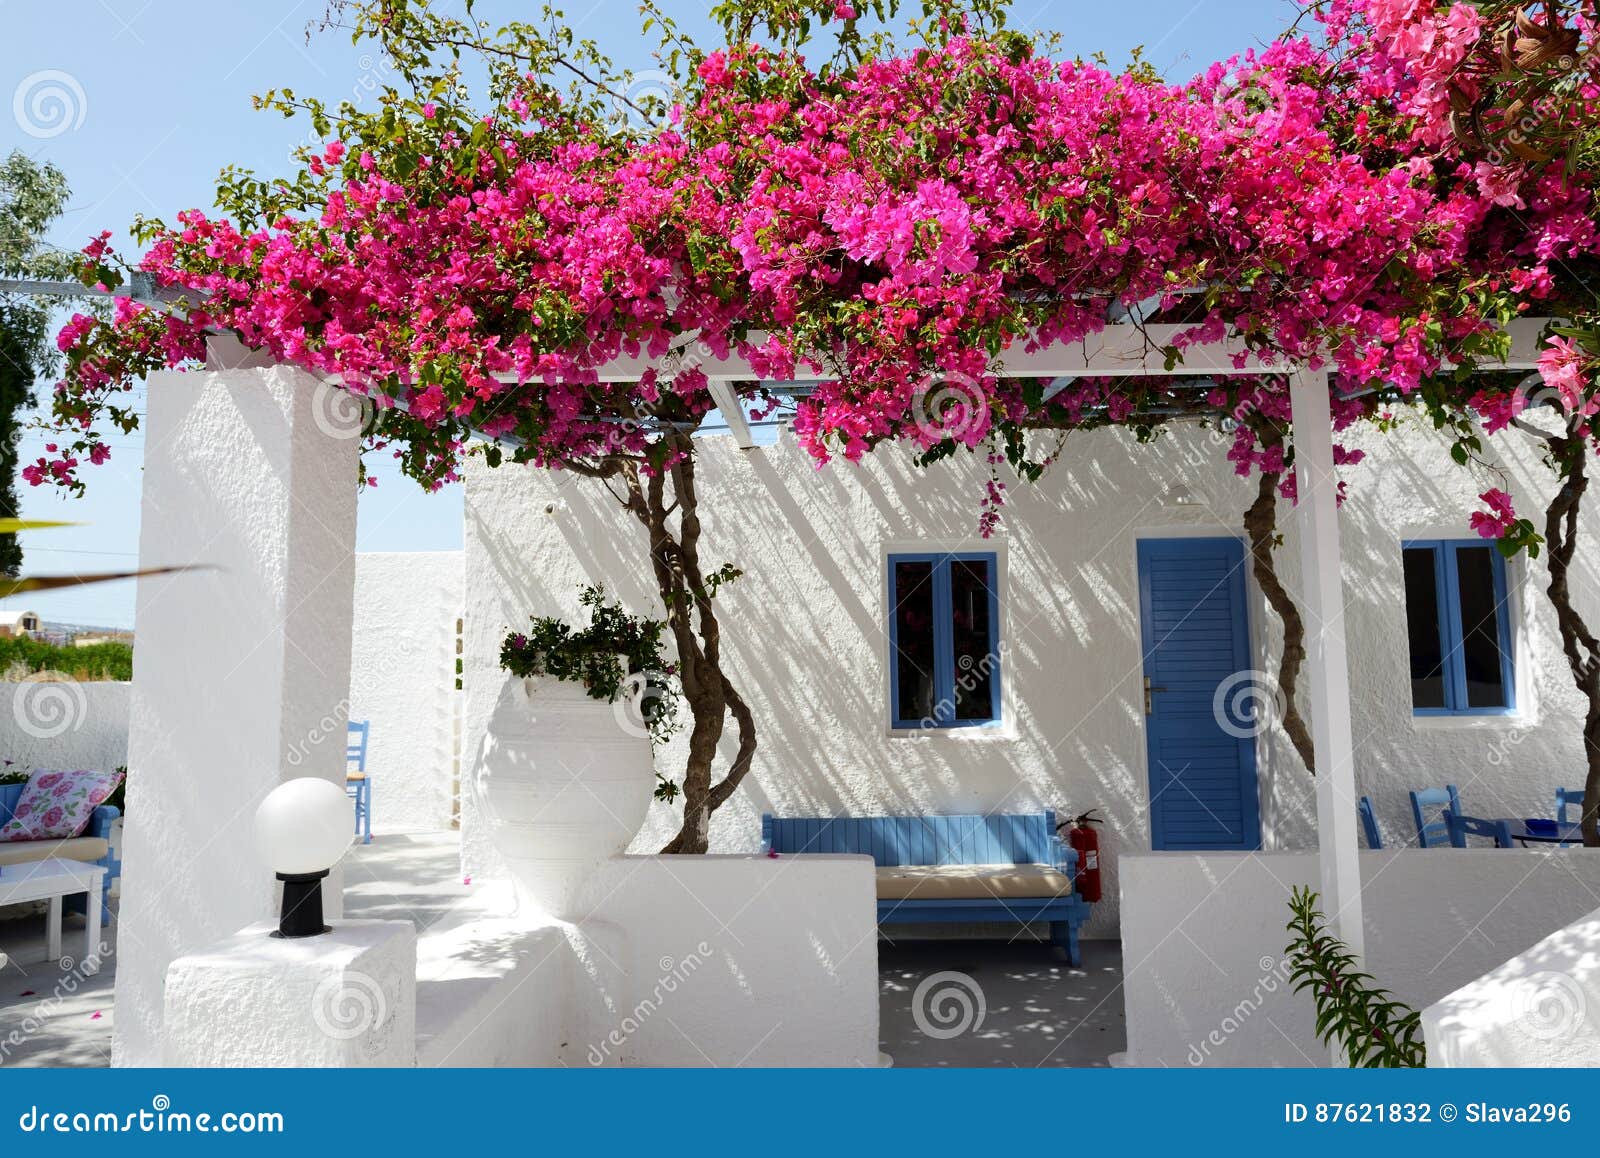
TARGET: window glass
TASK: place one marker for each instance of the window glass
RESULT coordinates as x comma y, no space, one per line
1480,627
1422,626
970,581
1455,608
913,619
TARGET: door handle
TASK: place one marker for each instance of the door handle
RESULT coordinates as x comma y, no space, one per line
1149,706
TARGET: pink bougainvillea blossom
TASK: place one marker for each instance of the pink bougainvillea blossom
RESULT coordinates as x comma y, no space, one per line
1498,520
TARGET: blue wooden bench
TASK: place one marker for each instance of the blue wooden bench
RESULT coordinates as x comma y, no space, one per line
1021,869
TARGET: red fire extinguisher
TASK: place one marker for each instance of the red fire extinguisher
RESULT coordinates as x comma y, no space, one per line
1086,841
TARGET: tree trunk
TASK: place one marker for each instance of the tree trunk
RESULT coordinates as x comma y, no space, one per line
1577,641
1261,525
696,634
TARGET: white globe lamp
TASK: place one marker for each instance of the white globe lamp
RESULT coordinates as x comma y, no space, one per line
303,827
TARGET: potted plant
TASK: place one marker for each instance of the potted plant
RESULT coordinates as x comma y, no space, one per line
566,776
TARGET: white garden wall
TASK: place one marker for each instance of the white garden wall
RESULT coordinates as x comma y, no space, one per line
805,628
1203,938
1540,1008
64,725
683,961
402,681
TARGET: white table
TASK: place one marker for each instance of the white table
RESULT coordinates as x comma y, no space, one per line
52,880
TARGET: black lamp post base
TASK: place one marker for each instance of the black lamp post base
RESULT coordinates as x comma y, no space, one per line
302,905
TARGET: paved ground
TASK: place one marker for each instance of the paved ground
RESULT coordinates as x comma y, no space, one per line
998,1003
943,1003
51,1012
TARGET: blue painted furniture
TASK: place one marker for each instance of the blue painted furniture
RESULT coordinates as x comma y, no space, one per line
1200,726
971,839
1526,832
357,784
1564,798
99,826
1462,827
1434,833
1369,822
1568,797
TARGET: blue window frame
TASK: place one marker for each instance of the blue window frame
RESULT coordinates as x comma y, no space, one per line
944,640
1459,628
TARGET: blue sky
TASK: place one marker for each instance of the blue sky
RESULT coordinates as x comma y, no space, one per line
158,101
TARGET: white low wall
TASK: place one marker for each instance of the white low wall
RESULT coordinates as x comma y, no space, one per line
403,682
1541,1008
684,961
1203,940
64,725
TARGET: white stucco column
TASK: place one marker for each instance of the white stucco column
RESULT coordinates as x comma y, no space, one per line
240,672
1323,609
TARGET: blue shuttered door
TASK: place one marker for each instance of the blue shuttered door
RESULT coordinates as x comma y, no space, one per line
1196,641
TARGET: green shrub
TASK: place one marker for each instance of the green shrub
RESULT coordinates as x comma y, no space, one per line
21,656
1374,1029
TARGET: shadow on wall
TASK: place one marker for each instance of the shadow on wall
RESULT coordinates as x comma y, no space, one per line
804,630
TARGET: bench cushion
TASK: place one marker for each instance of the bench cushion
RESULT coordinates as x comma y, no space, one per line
952,882
84,848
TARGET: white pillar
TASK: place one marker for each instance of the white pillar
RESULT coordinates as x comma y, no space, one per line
241,673
1323,610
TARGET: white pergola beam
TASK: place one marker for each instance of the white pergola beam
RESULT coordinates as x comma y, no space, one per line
1120,350
1322,606
732,411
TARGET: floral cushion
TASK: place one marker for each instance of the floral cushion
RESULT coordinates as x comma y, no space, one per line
57,805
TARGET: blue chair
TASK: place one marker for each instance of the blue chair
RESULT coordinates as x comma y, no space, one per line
357,784
1434,833
1564,797
1462,827
1369,822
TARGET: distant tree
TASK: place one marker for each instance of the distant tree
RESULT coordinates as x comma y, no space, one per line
32,195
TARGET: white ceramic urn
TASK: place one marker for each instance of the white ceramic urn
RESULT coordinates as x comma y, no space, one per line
565,781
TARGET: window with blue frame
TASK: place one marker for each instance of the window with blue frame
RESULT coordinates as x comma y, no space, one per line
944,640
1459,628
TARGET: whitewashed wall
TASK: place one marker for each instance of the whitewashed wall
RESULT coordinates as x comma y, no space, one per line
1203,938
64,725
805,635
402,680
701,961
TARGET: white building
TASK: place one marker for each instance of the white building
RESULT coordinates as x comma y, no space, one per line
1088,563
14,623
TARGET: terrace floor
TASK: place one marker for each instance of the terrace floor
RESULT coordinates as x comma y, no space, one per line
980,1003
